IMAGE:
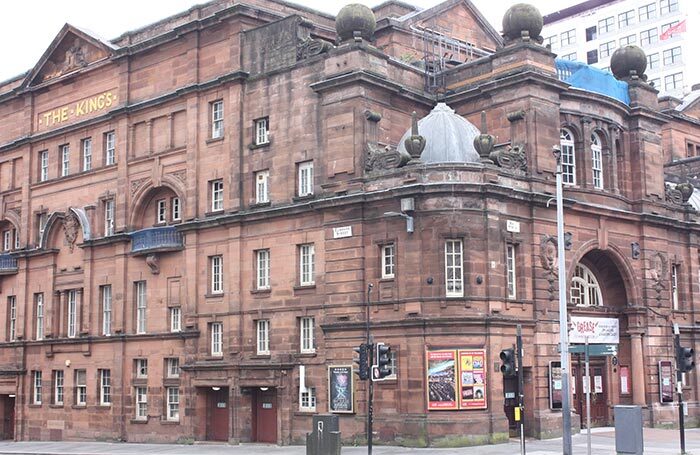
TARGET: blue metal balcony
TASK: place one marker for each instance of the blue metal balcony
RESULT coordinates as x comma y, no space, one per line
155,240
8,264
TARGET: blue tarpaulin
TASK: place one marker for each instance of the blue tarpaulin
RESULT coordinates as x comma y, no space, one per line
586,77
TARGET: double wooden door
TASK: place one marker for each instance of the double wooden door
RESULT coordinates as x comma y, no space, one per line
599,390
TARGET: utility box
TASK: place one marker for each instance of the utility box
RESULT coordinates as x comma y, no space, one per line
324,439
629,436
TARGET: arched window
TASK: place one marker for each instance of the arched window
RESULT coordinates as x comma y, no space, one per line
597,161
568,159
585,290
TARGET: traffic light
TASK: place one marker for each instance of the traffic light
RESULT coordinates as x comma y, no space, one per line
382,367
363,360
685,359
508,362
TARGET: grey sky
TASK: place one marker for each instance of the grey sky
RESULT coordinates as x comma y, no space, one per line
27,29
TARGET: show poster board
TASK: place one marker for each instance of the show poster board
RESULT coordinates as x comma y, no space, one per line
456,379
666,381
341,391
472,378
555,385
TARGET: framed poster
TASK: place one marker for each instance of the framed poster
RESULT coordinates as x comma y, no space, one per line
555,385
472,378
624,380
341,389
442,380
666,381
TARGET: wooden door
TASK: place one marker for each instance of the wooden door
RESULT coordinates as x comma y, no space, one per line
265,416
8,427
599,391
217,413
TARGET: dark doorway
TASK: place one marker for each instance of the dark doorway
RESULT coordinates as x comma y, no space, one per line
265,415
8,416
217,414
599,390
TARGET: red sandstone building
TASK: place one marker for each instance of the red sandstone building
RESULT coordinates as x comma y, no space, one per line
192,214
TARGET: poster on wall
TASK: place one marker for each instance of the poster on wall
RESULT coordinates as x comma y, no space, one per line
472,378
666,381
555,385
442,379
341,397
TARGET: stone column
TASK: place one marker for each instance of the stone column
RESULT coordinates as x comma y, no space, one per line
638,378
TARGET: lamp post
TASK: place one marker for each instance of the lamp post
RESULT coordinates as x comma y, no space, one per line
563,320
408,218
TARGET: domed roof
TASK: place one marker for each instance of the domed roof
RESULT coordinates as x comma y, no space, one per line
449,137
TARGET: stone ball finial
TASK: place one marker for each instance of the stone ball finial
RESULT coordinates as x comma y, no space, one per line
522,17
355,18
628,61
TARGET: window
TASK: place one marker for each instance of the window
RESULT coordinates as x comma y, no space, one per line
263,337
568,159
606,49
172,367
39,314
262,179
606,25
568,38
653,61
141,405
176,209
551,41
109,141
388,258
572,57
58,387
454,286
262,269
217,119
592,56
625,19
217,195
15,234
12,318
647,12
648,37
591,33
217,340
109,217
669,6
106,296
173,403
43,165
306,342
72,314
140,289
65,160
87,154
80,387
41,219
7,240
262,129
306,179
393,365
217,274
585,290
628,40
175,319
673,81
141,368
307,399
306,264
161,211
674,286
510,271
597,161
36,387
672,56
105,387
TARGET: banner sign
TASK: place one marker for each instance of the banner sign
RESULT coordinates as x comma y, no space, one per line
442,380
555,385
341,397
598,330
456,379
666,381
472,379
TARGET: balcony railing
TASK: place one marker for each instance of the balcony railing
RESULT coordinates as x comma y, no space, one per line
8,264
157,239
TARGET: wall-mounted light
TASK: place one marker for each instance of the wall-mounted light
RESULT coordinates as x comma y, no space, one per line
264,389
216,389
409,219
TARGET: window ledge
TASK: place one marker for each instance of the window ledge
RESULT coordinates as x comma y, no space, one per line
169,422
213,358
260,146
56,406
261,357
260,205
302,287
140,381
305,355
305,412
104,407
171,382
214,213
138,421
261,292
387,279
35,405
79,406
306,197
214,140
218,295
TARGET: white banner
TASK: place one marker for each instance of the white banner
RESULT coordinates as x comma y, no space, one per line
598,330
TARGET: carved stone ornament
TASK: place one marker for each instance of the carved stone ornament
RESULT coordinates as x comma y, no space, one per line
674,196
379,159
484,142
74,58
549,261
657,273
415,143
153,263
510,157
70,229
180,175
636,250
309,47
686,190
136,184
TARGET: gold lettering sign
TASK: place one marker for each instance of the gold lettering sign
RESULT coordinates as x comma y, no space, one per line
76,110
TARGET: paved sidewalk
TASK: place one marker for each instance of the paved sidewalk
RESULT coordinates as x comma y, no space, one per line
656,442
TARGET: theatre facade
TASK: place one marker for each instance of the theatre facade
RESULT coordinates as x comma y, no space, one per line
195,215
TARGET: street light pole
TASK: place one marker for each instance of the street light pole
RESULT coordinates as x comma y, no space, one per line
563,320
370,385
